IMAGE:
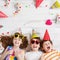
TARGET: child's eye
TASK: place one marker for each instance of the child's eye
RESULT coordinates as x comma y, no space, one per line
48,43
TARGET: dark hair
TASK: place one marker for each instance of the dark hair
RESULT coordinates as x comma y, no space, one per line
41,44
25,43
6,41
24,40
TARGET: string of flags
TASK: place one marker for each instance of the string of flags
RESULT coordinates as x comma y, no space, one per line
3,15
38,2
7,2
17,7
56,4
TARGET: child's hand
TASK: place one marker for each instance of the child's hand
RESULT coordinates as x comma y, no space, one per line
8,52
42,57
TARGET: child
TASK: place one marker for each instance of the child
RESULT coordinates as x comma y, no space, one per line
14,52
17,7
49,52
34,54
47,47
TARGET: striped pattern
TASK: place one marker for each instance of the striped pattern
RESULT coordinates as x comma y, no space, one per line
54,55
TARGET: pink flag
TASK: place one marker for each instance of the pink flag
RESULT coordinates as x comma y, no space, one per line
38,2
3,15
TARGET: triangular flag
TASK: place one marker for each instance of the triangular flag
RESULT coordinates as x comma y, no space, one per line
46,35
56,5
3,15
38,2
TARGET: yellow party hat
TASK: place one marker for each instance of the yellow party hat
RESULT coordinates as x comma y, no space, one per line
34,34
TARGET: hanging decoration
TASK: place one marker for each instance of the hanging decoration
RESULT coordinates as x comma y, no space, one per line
3,15
56,5
58,18
7,2
17,7
2,34
1,26
38,2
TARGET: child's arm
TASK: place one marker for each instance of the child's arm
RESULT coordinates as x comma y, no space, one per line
5,53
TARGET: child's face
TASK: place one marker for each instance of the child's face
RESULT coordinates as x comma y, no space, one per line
47,46
35,44
17,42
1,48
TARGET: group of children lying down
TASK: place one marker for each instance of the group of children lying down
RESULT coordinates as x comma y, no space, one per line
39,49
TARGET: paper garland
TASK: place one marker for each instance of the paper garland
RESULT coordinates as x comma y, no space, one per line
56,5
38,2
3,15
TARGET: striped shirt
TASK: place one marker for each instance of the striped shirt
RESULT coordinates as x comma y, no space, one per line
54,55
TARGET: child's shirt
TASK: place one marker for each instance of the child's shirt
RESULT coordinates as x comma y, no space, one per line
53,55
33,55
10,56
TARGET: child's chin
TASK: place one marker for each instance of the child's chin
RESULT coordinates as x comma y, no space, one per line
49,51
35,49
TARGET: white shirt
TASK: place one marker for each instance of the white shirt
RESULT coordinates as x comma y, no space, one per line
33,55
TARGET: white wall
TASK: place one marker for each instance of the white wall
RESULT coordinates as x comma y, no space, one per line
30,17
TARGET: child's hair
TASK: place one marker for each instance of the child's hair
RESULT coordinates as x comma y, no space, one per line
0,41
25,43
24,39
6,41
41,44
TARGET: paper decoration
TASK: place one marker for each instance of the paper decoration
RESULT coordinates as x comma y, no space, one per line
56,5
7,32
1,26
2,33
58,18
3,15
7,2
17,7
46,35
48,22
38,2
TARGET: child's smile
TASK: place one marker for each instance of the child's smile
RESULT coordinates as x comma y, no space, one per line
47,46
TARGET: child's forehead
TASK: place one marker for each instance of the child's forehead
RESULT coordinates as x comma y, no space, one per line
17,38
47,41
35,39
